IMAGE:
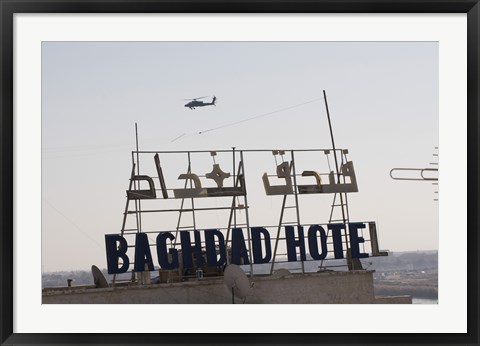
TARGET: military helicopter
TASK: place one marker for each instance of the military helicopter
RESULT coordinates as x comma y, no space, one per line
194,103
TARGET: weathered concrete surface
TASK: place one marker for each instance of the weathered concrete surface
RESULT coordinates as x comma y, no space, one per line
353,287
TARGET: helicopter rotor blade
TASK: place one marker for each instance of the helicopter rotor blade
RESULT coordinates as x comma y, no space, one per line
197,98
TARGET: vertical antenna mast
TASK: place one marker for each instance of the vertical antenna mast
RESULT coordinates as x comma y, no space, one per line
137,202
337,170
331,133
136,145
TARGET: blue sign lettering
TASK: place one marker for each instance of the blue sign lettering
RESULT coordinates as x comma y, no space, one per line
212,260
117,247
293,243
313,243
257,233
216,252
143,256
162,251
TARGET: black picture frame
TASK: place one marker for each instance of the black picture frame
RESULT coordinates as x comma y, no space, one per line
10,7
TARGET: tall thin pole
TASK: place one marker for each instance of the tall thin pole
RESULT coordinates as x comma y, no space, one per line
336,167
296,201
192,199
138,173
249,231
234,199
331,131
136,145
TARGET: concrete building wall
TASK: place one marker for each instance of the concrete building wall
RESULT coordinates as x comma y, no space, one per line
354,287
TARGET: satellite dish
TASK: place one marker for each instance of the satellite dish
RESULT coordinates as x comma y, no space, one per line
236,281
98,278
280,273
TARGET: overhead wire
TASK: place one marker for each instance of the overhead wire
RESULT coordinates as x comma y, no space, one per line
72,223
245,120
259,116
173,140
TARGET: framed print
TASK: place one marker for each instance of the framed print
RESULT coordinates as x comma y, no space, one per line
241,173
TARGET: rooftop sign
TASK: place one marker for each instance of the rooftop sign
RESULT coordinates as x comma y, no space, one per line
243,245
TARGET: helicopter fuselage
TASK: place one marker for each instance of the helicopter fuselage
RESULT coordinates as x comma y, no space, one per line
196,103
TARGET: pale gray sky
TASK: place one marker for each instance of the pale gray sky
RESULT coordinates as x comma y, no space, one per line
383,100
